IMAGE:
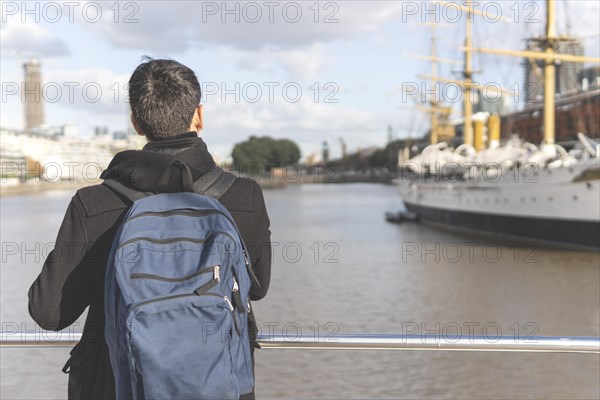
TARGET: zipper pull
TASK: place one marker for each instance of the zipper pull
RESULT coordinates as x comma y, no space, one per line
228,303
237,297
235,321
216,270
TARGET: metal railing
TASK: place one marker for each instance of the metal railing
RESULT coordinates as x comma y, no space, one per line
537,344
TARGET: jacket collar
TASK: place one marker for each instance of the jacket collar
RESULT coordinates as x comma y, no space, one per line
170,143
140,169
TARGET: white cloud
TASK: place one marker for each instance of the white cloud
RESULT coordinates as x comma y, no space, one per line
300,63
181,25
95,90
304,63
94,96
31,39
305,120
271,43
301,50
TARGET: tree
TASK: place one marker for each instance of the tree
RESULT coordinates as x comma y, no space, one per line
264,153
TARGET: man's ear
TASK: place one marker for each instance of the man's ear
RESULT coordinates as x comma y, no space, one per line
136,126
197,121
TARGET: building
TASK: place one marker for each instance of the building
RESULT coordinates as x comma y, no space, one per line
33,101
101,131
489,101
575,113
589,78
69,130
60,156
567,73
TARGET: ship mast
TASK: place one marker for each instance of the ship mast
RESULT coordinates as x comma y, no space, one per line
467,85
549,75
439,113
434,121
549,56
468,76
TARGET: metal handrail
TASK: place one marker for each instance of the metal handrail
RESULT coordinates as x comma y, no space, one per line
547,344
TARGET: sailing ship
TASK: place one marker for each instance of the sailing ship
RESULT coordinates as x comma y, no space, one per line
515,190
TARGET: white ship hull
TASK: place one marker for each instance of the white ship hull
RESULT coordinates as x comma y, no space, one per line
558,206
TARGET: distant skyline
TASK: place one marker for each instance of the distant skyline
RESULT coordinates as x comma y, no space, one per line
301,70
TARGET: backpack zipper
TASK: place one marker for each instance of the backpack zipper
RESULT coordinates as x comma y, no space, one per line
173,240
183,211
142,275
175,296
201,213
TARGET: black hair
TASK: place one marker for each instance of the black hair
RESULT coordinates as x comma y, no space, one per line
163,95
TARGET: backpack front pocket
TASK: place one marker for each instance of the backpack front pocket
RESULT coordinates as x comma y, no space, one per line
181,349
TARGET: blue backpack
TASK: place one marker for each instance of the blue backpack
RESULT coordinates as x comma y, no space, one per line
176,296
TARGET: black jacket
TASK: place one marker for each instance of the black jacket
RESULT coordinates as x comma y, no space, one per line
72,277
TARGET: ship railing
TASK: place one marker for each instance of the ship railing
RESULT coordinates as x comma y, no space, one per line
420,342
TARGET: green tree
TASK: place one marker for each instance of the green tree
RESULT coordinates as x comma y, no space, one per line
285,152
264,153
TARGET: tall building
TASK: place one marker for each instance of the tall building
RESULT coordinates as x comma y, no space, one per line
589,78
489,101
566,72
33,100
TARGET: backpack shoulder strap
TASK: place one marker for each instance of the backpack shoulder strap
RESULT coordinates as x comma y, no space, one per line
125,192
214,183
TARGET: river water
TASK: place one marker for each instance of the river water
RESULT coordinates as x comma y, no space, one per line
339,267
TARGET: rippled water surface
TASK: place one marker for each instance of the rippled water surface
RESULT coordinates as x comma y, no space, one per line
338,266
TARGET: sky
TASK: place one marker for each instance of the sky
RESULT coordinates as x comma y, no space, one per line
308,71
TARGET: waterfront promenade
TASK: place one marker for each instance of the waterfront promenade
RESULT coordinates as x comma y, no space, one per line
268,180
